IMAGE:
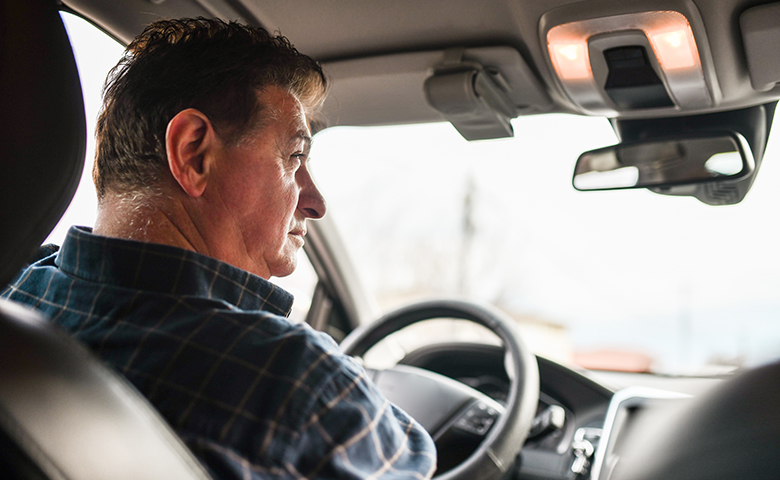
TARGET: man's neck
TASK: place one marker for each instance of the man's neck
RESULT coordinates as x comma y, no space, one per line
180,221
143,218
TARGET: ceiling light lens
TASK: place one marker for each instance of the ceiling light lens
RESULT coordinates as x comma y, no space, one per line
674,49
571,61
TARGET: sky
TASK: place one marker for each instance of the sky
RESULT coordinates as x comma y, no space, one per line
668,276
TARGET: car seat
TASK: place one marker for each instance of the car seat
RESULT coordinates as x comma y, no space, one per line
63,414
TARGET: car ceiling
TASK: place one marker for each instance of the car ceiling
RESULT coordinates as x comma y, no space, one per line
371,49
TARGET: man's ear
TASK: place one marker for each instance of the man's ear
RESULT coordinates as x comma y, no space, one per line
189,144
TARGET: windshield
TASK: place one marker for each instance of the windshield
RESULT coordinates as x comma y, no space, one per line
625,280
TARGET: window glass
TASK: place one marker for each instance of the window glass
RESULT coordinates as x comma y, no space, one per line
96,53
301,283
625,280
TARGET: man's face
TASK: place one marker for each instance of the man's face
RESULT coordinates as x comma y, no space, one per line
264,193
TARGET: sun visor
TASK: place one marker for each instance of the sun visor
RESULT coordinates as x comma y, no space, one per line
479,90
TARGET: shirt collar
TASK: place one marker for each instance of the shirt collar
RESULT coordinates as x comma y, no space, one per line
167,270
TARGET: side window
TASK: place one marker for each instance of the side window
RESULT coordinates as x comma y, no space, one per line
302,284
96,53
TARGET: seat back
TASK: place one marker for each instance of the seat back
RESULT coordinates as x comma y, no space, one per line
63,414
42,132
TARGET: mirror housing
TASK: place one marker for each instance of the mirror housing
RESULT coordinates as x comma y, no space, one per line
664,163
753,123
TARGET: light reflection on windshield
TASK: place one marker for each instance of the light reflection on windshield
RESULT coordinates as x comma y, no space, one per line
626,277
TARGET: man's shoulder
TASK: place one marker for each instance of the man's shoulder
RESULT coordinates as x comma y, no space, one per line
44,251
299,345
297,358
43,258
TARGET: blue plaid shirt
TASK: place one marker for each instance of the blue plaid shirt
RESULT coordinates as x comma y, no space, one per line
251,394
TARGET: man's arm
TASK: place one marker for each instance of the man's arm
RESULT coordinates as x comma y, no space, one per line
357,433
332,422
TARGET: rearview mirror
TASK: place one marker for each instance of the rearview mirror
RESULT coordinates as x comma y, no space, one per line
665,162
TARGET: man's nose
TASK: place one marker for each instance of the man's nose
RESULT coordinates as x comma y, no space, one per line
310,202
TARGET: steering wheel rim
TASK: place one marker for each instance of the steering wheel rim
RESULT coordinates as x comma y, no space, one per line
503,442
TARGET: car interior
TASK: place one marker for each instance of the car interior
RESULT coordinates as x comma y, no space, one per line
689,88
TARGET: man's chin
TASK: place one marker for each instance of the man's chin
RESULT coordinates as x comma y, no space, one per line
284,273
287,266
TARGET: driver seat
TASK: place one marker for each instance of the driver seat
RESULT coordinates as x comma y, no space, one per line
63,414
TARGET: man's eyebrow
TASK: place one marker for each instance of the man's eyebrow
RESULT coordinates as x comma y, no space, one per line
301,135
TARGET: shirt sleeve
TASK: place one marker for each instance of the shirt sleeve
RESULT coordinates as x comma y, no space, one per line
357,433
351,431
330,422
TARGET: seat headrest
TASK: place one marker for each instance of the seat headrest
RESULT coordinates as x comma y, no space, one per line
43,129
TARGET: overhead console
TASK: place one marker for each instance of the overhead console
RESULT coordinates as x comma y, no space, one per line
639,61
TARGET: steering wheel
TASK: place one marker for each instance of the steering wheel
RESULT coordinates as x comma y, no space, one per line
442,405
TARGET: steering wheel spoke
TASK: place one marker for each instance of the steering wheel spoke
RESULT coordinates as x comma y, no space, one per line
456,405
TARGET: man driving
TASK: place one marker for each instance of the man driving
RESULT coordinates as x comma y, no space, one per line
204,193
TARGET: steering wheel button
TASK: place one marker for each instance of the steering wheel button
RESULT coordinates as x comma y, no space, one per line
477,419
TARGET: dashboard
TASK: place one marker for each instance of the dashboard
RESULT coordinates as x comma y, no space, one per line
581,425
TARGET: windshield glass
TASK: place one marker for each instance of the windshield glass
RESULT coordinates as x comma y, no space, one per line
625,280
